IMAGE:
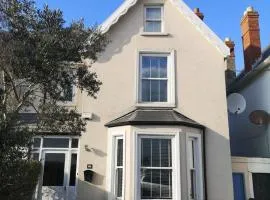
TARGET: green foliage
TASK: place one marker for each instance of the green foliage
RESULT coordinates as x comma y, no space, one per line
22,182
40,57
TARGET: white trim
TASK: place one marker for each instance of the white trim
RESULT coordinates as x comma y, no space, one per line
114,134
198,155
174,136
170,78
182,8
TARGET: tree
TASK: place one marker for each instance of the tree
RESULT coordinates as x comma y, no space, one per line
40,57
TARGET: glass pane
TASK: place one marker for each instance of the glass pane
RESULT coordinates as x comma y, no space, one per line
154,67
36,142
153,26
74,143
146,184
54,169
163,91
156,183
192,184
163,67
119,184
145,90
56,142
166,157
155,153
145,69
120,152
35,156
155,91
146,152
68,93
166,184
73,167
153,13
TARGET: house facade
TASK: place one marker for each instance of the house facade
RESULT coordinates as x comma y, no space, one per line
249,130
158,128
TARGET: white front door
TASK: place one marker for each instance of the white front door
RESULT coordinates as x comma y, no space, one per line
58,175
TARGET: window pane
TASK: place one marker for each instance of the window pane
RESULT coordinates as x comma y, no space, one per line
146,153
146,90
153,26
166,157
163,91
36,142
54,169
155,153
163,67
56,142
154,67
119,184
155,91
153,13
74,143
166,184
120,152
73,167
145,69
68,93
192,183
156,184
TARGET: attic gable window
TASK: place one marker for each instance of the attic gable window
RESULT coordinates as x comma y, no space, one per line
153,19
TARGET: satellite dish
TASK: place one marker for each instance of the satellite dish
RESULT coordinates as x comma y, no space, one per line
259,117
236,103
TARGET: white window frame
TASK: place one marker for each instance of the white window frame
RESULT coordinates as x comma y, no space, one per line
174,136
114,135
198,155
161,6
170,78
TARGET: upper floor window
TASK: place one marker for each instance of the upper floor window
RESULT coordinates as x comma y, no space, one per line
153,19
68,93
156,78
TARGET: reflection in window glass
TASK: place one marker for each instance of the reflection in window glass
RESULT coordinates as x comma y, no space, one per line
154,78
153,19
73,167
36,142
74,143
156,169
56,142
119,168
54,169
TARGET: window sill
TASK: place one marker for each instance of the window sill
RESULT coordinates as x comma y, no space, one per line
154,34
156,105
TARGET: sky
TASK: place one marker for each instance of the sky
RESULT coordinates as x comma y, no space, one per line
223,17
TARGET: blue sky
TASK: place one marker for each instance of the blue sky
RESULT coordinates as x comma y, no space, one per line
223,17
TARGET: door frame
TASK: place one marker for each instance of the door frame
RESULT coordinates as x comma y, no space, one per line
68,152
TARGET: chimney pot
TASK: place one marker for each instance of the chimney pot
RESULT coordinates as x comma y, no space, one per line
250,37
199,13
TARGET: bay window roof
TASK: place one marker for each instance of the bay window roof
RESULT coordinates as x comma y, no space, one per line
153,116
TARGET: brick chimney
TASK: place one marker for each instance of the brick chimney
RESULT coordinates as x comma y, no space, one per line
230,72
250,37
198,13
